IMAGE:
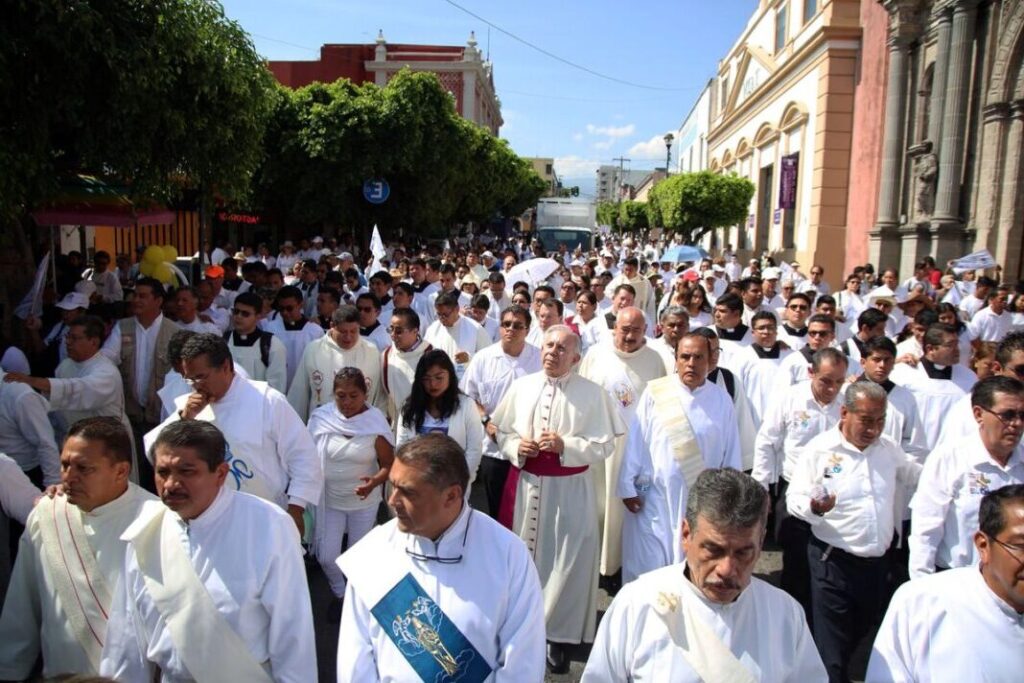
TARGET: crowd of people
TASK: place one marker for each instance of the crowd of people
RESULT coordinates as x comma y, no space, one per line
472,439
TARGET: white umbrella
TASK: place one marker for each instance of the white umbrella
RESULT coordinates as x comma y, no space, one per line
532,272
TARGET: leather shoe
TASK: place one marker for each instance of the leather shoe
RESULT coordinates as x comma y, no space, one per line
558,661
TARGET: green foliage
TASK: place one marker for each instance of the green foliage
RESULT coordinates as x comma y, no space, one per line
159,93
633,216
696,203
608,213
324,140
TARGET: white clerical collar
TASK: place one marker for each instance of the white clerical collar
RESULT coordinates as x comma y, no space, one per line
449,545
113,506
208,517
558,381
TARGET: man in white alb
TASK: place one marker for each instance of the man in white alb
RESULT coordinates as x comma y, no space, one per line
964,624
708,619
455,334
214,583
757,366
623,368
270,454
341,347
294,330
487,379
683,424
399,360
441,592
552,425
71,557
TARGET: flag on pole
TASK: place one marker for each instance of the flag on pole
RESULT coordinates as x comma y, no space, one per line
32,304
377,249
974,261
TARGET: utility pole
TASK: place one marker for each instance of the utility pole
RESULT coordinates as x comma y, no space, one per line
618,191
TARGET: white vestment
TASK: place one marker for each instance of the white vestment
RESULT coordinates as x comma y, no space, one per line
398,370
313,383
35,616
270,452
295,341
247,353
563,536
247,556
935,397
760,378
644,296
465,335
491,595
91,388
624,376
764,630
17,493
26,435
650,537
948,627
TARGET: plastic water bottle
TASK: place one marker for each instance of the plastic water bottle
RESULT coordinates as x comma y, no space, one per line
642,484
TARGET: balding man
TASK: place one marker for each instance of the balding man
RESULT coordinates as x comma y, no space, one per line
683,425
623,368
553,425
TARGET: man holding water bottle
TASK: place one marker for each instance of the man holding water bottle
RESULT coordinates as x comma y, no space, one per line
846,486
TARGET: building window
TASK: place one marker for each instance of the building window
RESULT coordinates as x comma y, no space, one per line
780,29
725,92
810,9
548,170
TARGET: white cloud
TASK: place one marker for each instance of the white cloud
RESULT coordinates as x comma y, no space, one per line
611,131
604,144
573,166
577,137
652,149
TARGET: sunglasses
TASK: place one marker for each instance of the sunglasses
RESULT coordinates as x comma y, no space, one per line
513,326
239,311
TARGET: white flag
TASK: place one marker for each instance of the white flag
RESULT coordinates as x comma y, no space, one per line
377,249
974,261
32,304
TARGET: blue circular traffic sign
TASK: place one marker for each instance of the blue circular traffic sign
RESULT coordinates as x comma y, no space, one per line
376,190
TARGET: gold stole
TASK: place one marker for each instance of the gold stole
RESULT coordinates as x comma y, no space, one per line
84,593
672,417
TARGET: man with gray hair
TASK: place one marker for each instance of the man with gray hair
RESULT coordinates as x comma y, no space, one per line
674,322
708,618
462,589
846,485
553,425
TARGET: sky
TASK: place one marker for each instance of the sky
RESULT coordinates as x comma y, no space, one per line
660,54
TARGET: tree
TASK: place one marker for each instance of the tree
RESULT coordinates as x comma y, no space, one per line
696,203
633,216
608,213
160,94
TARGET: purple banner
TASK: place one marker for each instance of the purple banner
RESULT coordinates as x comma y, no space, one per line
787,181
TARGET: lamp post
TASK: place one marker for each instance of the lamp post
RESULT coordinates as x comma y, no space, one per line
668,152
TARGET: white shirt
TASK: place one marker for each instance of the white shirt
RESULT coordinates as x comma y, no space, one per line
489,375
789,424
634,644
464,336
866,484
945,507
989,326
948,627
935,397
198,325
145,354
492,595
247,555
26,434
17,493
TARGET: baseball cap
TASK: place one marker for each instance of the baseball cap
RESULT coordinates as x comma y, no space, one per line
86,287
73,301
318,239
771,274
345,256
487,254
214,271
690,276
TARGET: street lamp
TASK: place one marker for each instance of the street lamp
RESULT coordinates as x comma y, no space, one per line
668,151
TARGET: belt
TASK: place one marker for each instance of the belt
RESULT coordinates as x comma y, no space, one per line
828,551
547,464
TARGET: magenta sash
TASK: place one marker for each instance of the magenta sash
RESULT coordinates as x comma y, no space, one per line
545,464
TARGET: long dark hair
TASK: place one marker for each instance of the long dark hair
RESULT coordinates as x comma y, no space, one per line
415,407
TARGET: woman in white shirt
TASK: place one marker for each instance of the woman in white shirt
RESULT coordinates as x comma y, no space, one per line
698,308
848,302
356,449
437,405
586,322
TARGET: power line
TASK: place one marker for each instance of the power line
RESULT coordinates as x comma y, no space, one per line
556,57
284,42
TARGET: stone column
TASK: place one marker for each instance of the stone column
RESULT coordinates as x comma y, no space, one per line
995,118
1011,196
884,239
941,25
954,124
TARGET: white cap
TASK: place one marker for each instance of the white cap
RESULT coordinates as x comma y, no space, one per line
73,301
487,254
319,239
87,287
717,268
771,274
287,243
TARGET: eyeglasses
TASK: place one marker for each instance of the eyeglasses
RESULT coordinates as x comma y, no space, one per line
397,330
796,307
818,333
444,560
1018,370
1007,416
239,311
509,325
1010,548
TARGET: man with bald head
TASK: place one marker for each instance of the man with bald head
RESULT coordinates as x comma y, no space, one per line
623,367
553,425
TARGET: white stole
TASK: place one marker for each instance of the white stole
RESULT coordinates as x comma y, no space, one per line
673,418
206,642
84,592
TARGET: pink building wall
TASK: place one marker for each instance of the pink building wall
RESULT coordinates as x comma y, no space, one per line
868,130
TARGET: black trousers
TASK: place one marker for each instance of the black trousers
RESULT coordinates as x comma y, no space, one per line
793,535
145,469
847,596
491,477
